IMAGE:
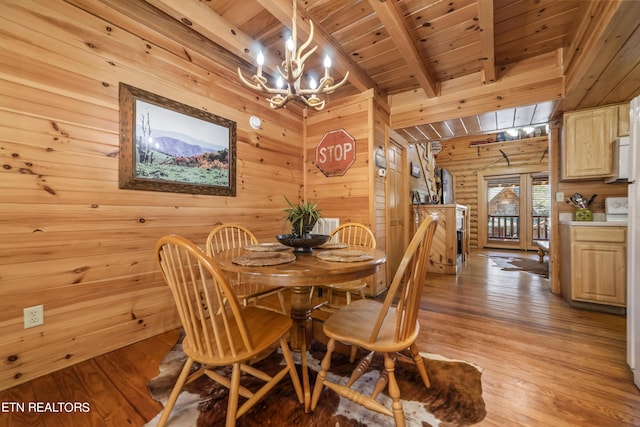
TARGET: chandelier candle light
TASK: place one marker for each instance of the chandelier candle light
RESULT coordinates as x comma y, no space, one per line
291,73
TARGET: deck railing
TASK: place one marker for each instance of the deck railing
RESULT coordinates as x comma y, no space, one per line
507,227
540,227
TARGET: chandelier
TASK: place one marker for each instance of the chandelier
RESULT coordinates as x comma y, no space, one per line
288,85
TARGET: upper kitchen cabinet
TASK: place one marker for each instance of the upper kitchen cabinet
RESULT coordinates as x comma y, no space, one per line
587,146
623,119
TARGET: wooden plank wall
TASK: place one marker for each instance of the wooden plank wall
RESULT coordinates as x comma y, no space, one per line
69,237
379,139
356,195
379,143
346,197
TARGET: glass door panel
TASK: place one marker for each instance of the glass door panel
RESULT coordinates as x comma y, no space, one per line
540,208
503,210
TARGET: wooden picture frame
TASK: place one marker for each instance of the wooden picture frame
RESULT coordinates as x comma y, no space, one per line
415,170
172,147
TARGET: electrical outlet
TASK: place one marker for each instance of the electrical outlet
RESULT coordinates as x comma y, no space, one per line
33,316
559,196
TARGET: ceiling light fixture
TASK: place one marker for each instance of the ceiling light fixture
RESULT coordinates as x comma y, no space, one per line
288,86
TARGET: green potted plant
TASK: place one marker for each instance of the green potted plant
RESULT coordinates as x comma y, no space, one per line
302,217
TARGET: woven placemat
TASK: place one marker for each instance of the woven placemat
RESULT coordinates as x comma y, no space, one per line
264,258
266,247
345,256
332,245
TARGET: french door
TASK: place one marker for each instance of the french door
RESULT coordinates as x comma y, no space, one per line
514,210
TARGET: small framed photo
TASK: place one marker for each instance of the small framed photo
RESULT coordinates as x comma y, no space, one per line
415,170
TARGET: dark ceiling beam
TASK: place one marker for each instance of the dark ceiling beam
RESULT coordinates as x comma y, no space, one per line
393,21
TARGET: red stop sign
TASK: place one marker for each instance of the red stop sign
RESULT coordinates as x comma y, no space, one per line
335,153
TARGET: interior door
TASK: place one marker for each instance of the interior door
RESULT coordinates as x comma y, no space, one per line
397,205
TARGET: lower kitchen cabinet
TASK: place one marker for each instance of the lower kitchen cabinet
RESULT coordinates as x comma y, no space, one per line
594,265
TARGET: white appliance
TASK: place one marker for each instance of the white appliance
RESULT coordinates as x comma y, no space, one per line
633,245
621,160
616,208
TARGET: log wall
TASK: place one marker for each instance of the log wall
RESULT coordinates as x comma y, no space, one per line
70,239
464,161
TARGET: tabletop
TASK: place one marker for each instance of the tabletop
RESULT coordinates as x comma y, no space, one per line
306,270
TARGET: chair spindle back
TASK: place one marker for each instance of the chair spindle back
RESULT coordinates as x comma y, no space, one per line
354,234
229,236
208,308
408,283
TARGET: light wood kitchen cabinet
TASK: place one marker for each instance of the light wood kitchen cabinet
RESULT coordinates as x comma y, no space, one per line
450,248
623,119
587,146
594,264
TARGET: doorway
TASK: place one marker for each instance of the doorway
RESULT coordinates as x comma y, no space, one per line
515,210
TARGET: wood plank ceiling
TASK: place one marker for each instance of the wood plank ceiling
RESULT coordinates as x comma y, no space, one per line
448,67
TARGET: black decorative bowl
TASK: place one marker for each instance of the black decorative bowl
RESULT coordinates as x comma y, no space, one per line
302,244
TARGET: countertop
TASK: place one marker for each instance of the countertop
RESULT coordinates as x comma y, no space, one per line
596,223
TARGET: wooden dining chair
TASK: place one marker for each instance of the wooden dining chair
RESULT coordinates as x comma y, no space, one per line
229,236
390,327
219,332
353,234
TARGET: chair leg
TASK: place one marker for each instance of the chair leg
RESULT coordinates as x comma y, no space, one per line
419,362
282,303
293,373
177,388
322,375
348,297
394,391
234,389
353,353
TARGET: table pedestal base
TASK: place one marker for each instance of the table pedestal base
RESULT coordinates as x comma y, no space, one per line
302,333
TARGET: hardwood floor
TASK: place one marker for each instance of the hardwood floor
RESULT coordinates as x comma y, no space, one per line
545,364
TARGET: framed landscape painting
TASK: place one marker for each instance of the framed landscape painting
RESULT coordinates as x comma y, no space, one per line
172,147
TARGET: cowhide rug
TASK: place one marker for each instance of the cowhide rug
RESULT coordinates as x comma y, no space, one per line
454,398
514,263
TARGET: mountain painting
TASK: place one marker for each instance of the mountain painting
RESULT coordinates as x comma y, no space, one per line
175,147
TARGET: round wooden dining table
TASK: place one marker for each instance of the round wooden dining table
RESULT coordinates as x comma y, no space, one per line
300,276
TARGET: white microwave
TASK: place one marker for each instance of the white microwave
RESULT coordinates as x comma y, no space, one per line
621,161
